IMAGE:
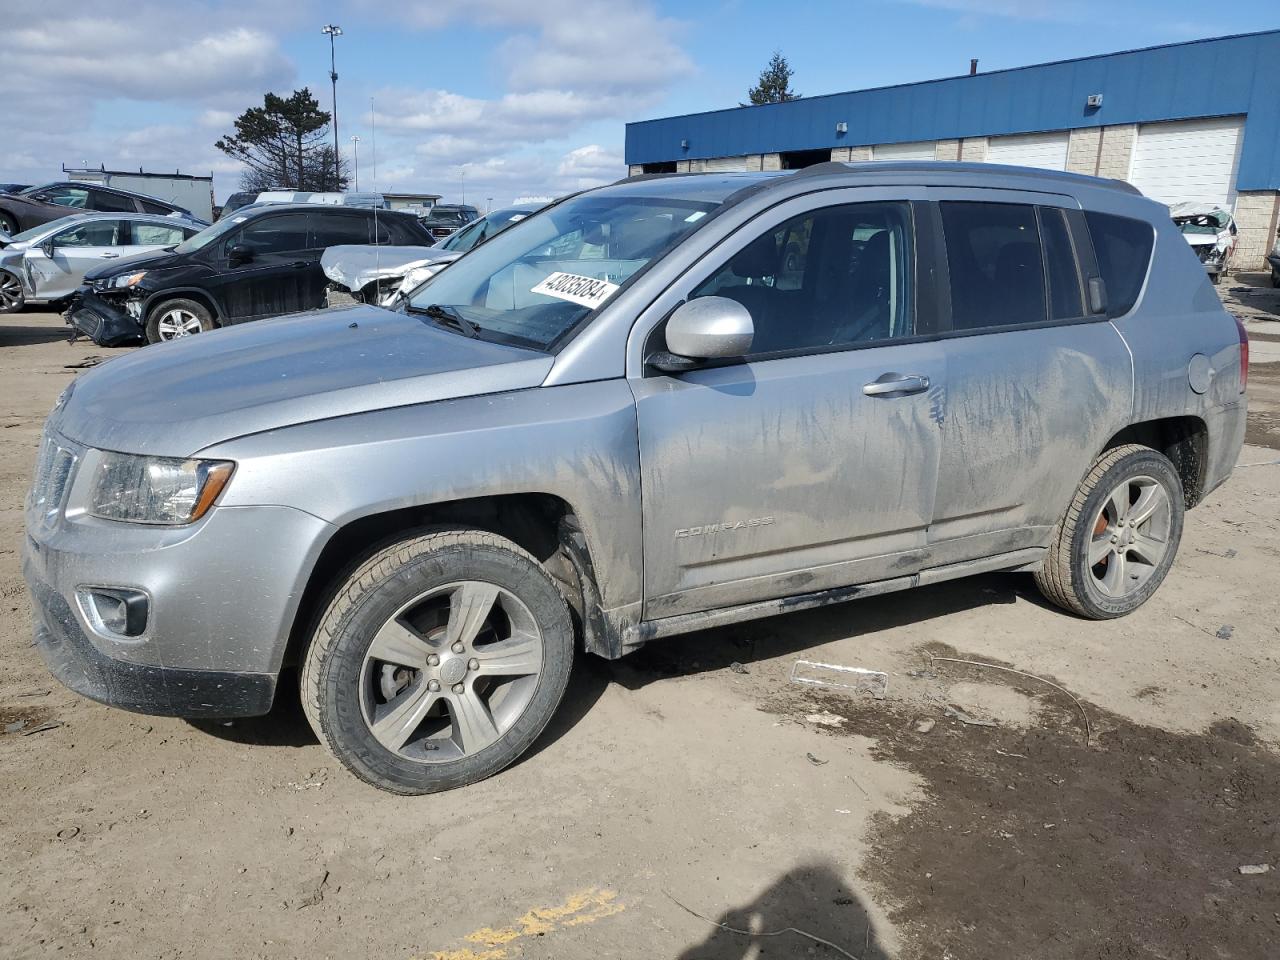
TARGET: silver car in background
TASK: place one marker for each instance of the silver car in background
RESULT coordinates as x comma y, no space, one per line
663,405
47,263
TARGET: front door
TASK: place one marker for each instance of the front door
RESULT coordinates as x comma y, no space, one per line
811,463
272,278
75,251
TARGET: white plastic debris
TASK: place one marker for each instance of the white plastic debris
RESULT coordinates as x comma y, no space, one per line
1253,869
874,682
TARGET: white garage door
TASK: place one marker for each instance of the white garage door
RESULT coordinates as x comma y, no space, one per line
1188,160
726,165
1047,150
903,151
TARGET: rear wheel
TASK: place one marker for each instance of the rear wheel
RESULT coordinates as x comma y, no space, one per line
439,661
178,318
11,296
1118,538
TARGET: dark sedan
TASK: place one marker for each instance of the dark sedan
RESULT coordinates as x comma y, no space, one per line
251,265
36,205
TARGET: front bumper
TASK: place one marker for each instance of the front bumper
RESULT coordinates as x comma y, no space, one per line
221,596
103,321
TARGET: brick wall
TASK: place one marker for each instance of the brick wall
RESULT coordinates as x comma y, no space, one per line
851,154
771,161
1257,218
1116,151
947,150
973,149
1082,151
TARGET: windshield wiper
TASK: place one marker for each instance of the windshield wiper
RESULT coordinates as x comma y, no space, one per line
449,317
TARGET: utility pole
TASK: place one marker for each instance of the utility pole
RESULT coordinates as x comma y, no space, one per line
355,154
333,30
373,132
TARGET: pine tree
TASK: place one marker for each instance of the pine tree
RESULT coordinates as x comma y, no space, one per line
774,85
284,144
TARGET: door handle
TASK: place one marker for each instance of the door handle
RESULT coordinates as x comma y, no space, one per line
896,383
299,264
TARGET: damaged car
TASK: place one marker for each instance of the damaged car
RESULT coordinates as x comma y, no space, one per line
46,264
1211,231
611,425
384,275
254,264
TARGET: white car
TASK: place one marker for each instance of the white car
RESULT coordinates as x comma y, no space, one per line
47,263
1211,231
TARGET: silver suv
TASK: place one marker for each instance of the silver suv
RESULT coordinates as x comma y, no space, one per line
667,404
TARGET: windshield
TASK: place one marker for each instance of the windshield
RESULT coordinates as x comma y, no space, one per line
208,235
533,283
49,227
37,189
447,217
487,226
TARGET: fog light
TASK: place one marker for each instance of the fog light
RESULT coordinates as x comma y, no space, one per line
115,611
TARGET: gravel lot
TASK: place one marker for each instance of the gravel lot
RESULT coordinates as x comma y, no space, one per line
693,778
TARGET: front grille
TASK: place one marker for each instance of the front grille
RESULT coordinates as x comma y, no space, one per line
54,467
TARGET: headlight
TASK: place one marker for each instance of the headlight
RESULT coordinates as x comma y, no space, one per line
156,489
126,280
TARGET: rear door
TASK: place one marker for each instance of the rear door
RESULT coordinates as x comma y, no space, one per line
1036,385
273,280
331,228
147,235
75,251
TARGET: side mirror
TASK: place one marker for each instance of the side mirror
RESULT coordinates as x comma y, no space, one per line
710,328
47,247
239,253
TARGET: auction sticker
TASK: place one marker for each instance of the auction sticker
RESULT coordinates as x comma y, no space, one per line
587,291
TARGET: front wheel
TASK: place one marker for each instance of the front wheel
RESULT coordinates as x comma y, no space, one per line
178,318
439,661
8,224
12,297
1118,538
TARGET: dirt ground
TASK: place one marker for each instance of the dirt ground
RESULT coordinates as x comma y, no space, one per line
694,784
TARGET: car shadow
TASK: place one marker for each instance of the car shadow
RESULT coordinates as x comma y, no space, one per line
811,898
285,726
791,633
11,336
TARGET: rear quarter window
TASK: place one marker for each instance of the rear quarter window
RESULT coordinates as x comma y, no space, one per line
1122,246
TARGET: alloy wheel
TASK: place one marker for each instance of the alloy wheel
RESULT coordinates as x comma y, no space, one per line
11,295
450,672
177,323
1130,536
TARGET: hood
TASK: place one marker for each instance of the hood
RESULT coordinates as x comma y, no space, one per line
173,399
150,261
357,265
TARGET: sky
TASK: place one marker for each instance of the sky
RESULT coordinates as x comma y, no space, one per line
488,101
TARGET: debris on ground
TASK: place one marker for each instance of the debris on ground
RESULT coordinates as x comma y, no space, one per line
1254,869
48,725
15,726
68,833
815,761
1225,631
925,725
825,719
965,718
836,676
736,667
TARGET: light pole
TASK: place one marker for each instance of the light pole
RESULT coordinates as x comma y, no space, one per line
333,30
355,166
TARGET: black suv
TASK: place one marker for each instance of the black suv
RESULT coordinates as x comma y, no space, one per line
250,265
36,205
444,218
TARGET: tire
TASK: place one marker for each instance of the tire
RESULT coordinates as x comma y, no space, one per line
488,705
1275,278
8,224
174,319
1132,539
12,296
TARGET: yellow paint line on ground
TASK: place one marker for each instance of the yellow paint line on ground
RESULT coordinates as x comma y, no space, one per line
585,906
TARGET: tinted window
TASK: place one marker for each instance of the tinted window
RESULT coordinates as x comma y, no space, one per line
150,207
102,200
1066,299
98,233
275,234
157,234
993,256
329,230
829,278
1123,249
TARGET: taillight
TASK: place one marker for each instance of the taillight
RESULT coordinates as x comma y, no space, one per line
1244,352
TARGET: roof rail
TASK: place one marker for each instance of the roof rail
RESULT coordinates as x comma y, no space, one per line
949,166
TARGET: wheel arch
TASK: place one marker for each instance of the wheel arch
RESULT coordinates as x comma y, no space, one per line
202,297
1183,439
543,524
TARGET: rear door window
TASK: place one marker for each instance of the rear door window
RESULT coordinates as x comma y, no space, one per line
281,234
1122,247
995,263
110,202
159,208
331,230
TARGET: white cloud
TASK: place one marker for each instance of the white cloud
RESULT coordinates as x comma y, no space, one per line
590,166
